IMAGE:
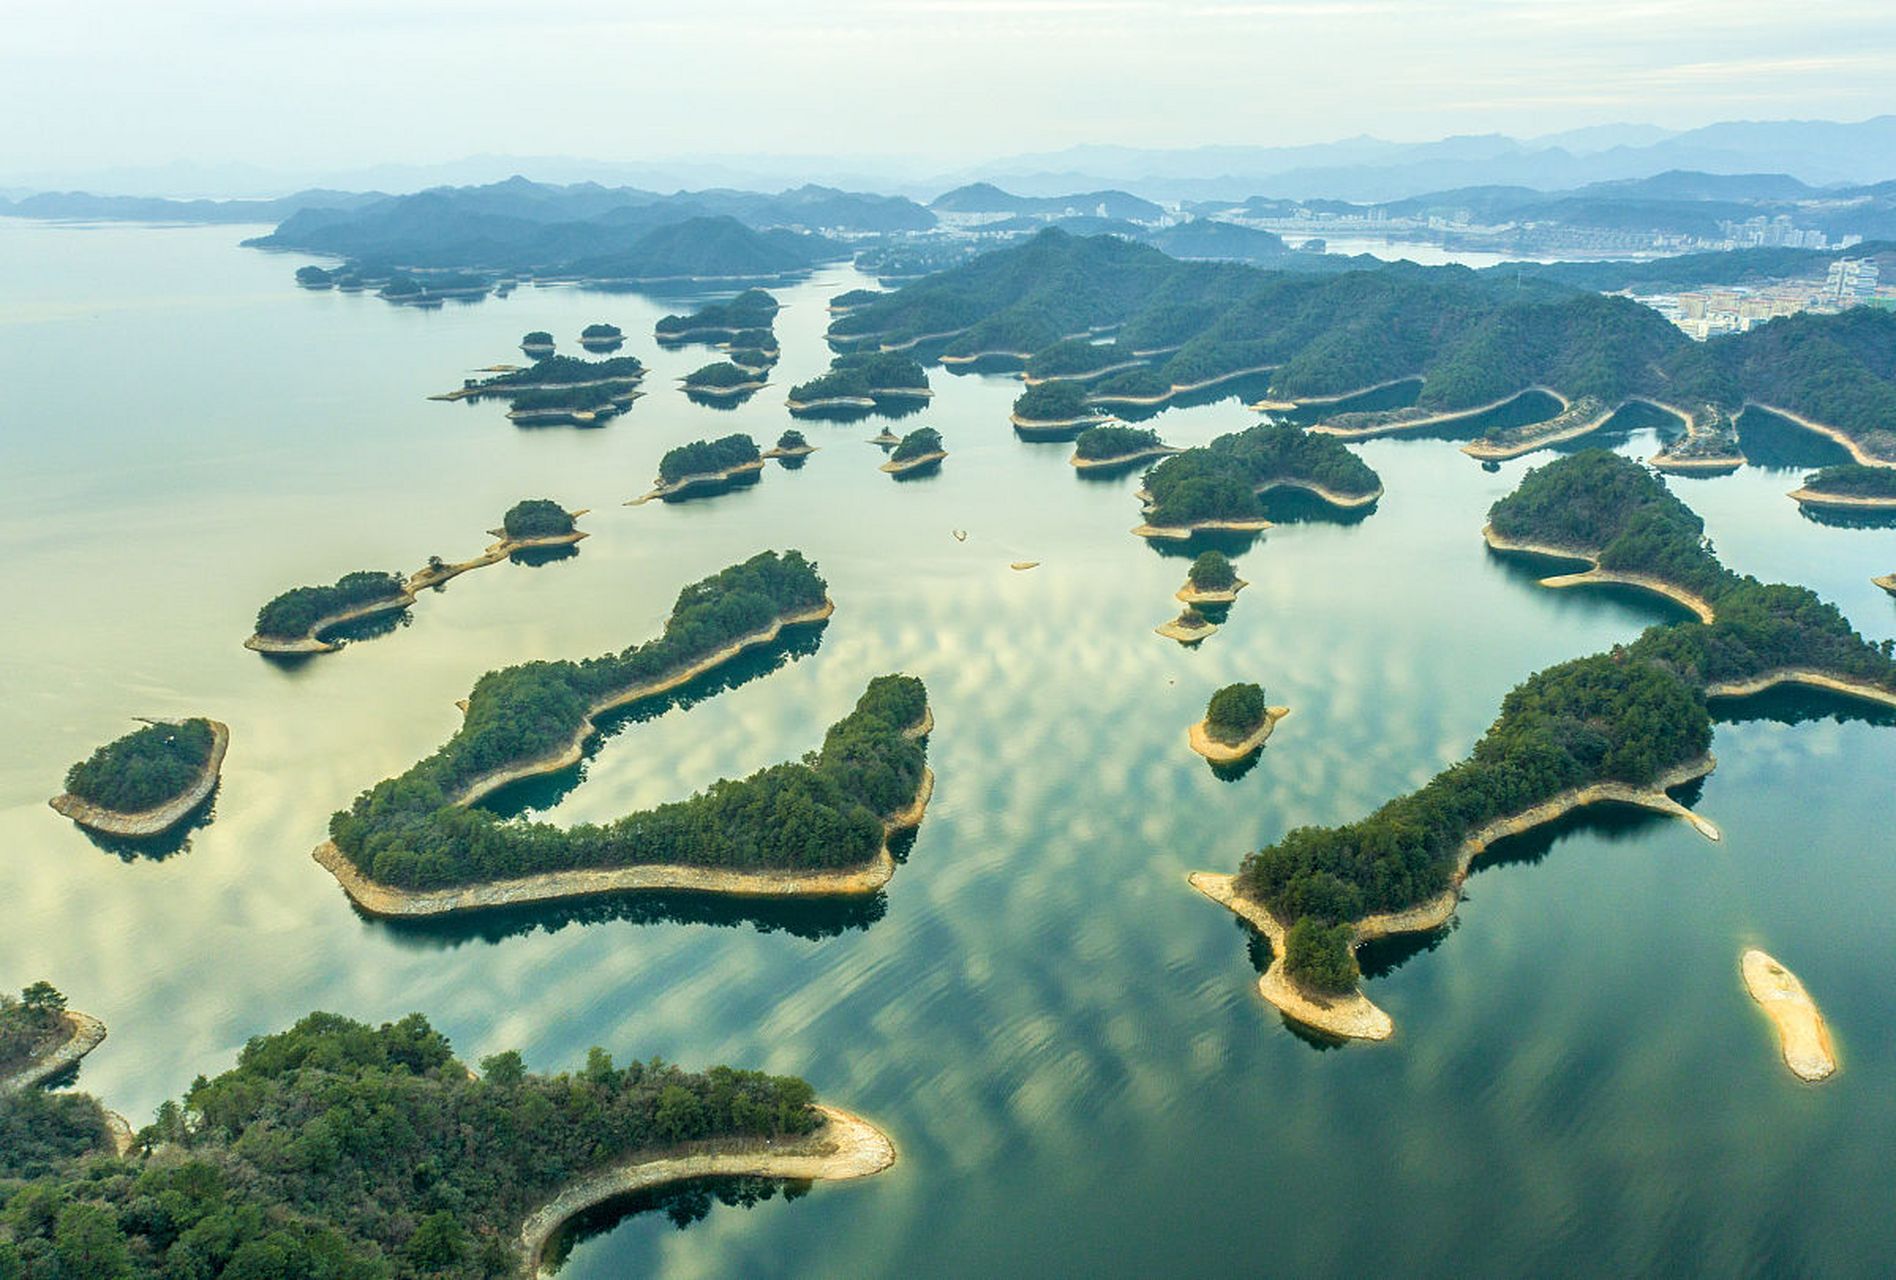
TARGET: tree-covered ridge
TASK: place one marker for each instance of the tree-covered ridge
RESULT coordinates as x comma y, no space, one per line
824,812
1114,441
1851,480
706,457
291,615
314,277
1630,715
1235,712
537,518
918,443
29,1026
1221,480
145,768
792,440
562,370
720,374
751,309
340,1151
1597,503
1054,402
1075,357
1839,370
864,376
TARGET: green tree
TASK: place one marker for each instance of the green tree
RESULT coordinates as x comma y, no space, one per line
43,998
89,1245
1318,957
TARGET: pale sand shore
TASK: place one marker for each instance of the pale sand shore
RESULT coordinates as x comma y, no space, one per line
1338,1017
419,581
802,452
1887,582
1551,432
721,392
1199,738
1174,630
846,1147
1021,566
1395,423
830,402
1347,501
1667,460
378,899
1806,496
1188,594
1824,429
1182,532
153,821
1137,455
988,355
1596,575
84,1034
1808,676
912,464
1305,402
1802,1033
1084,375
571,753
702,480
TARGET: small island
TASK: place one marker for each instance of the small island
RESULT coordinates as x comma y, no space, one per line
612,376
1054,411
750,310
1708,447
148,781
1850,487
538,344
1238,721
1581,417
791,444
41,1038
294,623
569,406
315,278
1188,628
721,380
1803,1036
918,449
1887,582
601,337
208,1177
704,467
860,381
1212,579
1115,445
1220,485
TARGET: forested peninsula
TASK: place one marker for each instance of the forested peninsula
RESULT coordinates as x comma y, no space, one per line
148,781
418,845
1624,726
704,467
40,1038
1219,485
340,1151
753,309
862,381
1850,487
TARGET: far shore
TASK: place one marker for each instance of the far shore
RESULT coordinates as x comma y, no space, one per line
895,468
699,480
84,1033
846,1147
1596,575
421,580
378,899
1347,1018
1199,738
1803,1036
1806,496
1137,455
1189,594
160,818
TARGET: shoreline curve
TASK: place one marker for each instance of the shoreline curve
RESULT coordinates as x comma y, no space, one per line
160,818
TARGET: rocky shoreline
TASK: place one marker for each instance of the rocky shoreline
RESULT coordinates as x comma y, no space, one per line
159,819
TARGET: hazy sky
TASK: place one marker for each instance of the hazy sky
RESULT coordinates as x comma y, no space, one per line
318,83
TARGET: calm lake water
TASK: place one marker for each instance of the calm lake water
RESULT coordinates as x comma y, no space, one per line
1064,1039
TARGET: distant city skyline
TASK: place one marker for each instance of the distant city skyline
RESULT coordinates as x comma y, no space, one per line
933,84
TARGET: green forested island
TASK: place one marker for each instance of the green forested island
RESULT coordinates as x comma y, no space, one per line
300,611
314,278
753,309
863,379
1635,717
706,458
1220,482
537,343
1849,485
536,518
340,1151
146,768
919,448
552,372
722,378
1114,442
791,444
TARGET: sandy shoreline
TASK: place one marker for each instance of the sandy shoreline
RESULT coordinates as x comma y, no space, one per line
1199,738
720,392
1806,496
846,1147
1348,502
157,820
830,402
1596,575
912,464
1803,1036
1188,594
1184,532
1887,582
1586,425
84,1034
1084,375
803,451
1824,429
700,480
1808,676
1307,402
1138,455
1173,630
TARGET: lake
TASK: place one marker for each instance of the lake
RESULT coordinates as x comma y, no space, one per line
1064,1040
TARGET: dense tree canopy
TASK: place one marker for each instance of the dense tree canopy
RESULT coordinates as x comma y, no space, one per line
1235,712
1213,571
751,309
1854,481
601,333
917,444
706,457
145,768
537,518
1113,440
719,375
564,371
340,1151
292,615
1221,480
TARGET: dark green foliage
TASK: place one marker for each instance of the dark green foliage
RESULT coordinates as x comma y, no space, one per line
855,297
338,1151
1318,958
578,399
705,457
1213,571
1836,369
721,374
862,376
1854,481
291,615
754,359
917,443
537,338
1114,441
29,1026
565,370
314,277
145,768
1143,383
792,439
1235,712
600,333
1221,480
1077,356
537,518
1054,402
751,309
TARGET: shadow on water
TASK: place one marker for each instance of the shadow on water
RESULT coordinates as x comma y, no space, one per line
1235,769
793,463
1233,542
167,843
1299,506
986,364
1833,518
1626,422
1772,443
540,793
927,471
681,1203
373,627
720,403
534,557
898,407
1798,704
730,484
811,918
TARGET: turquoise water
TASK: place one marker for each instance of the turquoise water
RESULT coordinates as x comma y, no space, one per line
1064,1040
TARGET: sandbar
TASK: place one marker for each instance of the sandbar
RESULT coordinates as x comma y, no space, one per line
1175,630
1809,497
1802,1033
160,818
1137,455
84,1033
1199,738
1390,421
1188,594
